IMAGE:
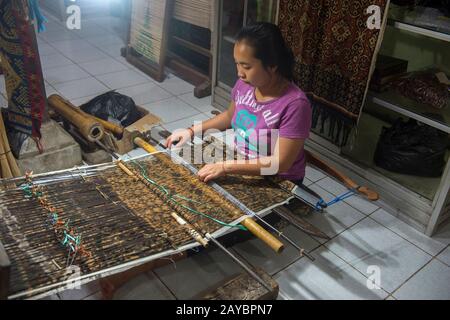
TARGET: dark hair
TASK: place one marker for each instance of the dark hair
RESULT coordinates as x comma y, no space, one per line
269,47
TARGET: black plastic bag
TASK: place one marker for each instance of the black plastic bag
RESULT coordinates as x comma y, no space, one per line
114,107
412,148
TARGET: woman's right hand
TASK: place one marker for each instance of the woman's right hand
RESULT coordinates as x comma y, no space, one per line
179,137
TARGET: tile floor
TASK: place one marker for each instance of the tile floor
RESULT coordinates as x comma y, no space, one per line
366,242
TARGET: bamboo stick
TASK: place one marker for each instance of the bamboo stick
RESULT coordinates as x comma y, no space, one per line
90,129
5,170
111,127
15,171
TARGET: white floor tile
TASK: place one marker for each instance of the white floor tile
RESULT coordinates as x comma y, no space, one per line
208,115
444,256
313,174
424,242
2,85
51,297
86,55
46,49
81,88
185,123
257,253
370,244
53,25
79,101
203,104
442,234
107,40
68,46
3,101
334,219
430,283
176,86
124,61
54,60
81,293
145,93
143,287
122,79
96,296
171,110
282,295
197,273
103,66
65,74
49,90
332,186
328,277
357,201
113,50
361,203
307,182
54,36
40,41
91,31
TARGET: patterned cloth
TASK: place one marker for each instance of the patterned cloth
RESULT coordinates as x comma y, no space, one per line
22,68
334,54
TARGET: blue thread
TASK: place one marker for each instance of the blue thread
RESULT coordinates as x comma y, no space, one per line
346,195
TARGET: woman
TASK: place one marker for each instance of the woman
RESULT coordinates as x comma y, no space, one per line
265,103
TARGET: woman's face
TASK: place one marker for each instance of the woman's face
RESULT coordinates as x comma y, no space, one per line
249,68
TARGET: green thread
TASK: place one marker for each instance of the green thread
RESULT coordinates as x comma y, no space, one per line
144,174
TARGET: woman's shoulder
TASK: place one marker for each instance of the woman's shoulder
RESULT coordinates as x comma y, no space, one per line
295,93
242,84
296,96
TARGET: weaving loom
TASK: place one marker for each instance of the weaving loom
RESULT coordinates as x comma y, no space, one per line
121,222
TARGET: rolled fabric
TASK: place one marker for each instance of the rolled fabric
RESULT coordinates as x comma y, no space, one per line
89,128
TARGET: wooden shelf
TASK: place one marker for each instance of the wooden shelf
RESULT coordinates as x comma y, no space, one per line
420,112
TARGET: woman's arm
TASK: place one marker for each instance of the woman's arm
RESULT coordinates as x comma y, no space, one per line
220,122
285,153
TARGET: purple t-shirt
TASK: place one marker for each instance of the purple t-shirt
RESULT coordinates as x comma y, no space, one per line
253,123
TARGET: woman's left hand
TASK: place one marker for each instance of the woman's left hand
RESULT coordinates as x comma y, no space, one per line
211,171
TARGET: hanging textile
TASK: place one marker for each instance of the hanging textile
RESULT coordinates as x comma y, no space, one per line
334,56
35,14
22,68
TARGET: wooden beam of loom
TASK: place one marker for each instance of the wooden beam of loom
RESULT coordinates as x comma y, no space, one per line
122,223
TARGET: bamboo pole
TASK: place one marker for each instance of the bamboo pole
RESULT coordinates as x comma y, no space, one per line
111,127
15,171
89,128
5,170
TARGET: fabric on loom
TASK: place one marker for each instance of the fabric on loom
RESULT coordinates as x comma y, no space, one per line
22,68
334,57
118,219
